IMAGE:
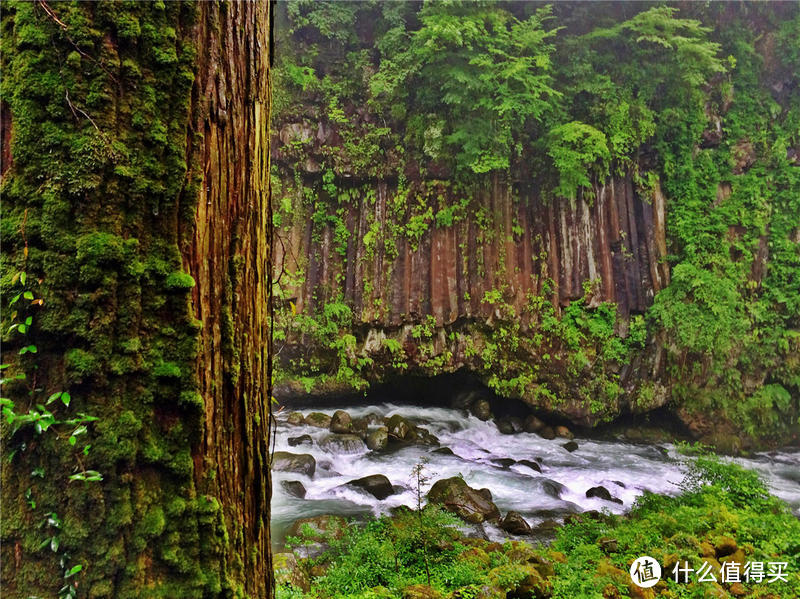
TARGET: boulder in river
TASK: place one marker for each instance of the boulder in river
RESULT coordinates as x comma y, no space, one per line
481,409
283,461
547,432
341,422
376,485
602,493
342,444
399,428
564,432
443,451
514,523
294,488
295,419
301,440
425,437
504,462
372,419
378,439
533,424
570,446
530,464
553,488
318,420
459,498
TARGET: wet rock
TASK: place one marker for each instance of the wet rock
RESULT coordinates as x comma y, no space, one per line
443,451
288,571
481,409
342,444
360,427
533,424
459,498
301,440
295,419
504,462
318,420
602,493
504,426
530,464
486,493
341,422
425,437
283,461
547,433
531,586
553,488
294,488
570,446
378,439
399,428
514,523
564,432
372,419
619,483
376,485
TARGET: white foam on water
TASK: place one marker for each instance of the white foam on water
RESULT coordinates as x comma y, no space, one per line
626,470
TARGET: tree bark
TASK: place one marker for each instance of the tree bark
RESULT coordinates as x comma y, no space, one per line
135,184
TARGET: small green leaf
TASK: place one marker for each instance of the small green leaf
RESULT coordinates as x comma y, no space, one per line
29,321
72,440
73,571
23,277
14,299
22,328
66,398
52,398
28,295
54,543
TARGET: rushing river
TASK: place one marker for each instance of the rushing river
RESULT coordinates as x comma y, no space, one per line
481,454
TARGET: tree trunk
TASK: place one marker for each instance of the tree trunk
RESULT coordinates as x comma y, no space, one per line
136,203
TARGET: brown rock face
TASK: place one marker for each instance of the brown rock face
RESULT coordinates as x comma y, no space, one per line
509,240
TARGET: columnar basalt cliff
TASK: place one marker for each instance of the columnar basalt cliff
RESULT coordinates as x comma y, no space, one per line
603,252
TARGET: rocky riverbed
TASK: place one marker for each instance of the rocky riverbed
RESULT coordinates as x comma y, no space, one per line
508,476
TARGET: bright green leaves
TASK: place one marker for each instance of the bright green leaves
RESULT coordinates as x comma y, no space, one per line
578,151
477,72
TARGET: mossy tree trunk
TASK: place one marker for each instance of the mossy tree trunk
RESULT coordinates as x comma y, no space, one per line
136,201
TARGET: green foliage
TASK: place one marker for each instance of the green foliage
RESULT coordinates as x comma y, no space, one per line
575,149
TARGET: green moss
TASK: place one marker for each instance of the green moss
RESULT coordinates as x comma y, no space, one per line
179,280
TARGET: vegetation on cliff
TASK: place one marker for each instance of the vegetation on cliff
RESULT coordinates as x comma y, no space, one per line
396,120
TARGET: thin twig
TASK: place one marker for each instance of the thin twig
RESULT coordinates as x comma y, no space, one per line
73,108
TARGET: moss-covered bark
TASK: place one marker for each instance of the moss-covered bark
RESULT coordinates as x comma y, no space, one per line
136,202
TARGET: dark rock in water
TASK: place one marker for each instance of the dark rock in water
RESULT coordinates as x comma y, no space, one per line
619,483
378,439
547,433
301,440
444,451
530,464
341,422
360,427
399,428
533,424
481,409
467,503
318,420
294,488
553,488
563,431
346,444
376,485
283,461
570,446
515,524
602,493
504,462
508,426
296,419
425,437
486,493
372,419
